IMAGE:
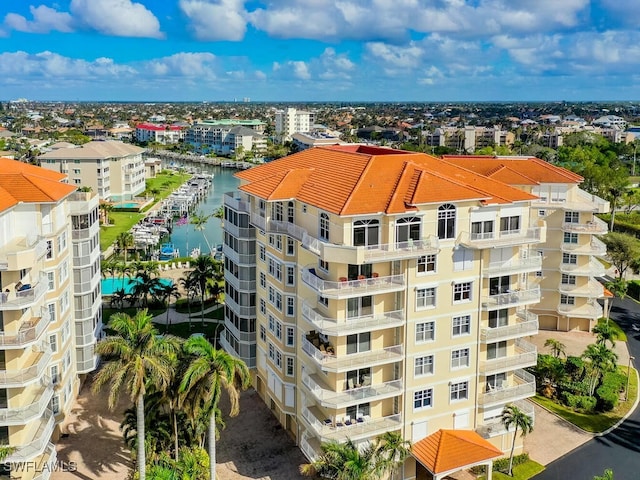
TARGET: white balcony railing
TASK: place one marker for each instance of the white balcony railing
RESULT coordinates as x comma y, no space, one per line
519,329
601,205
511,298
50,461
352,288
342,363
591,289
594,247
504,238
28,333
23,298
525,355
23,376
494,426
592,268
595,226
523,385
347,326
589,309
234,200
331,399
335,430
37,442
531,263
30,411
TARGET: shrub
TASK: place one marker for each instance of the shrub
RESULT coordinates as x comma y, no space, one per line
615,380
502,464
579,403
607,398
574,366
634,289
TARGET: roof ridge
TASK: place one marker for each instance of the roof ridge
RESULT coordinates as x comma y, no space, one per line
358,183
395,192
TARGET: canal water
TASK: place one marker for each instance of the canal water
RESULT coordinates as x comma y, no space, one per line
186,237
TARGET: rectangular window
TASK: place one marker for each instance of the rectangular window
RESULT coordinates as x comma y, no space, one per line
49,249
263,306
290,367
569,237
263,333
263,252
572,217
323,265
55,374
55,404
291,275
51,280
459,391
423,365
482,230
423,399
462,259
272,352
263,280
462,292
509,225
53,343
461,325
542,213
291,334
460,358
278,359
496,350
291,307
291,246
427,263
425,331
275,269
359,342
498,318
568,279
426,297
569,259
323,301
567,300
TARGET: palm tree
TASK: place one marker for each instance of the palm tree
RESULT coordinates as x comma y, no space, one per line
191,287
512,415
606,333
602,360
215,290
199,221
136,358
556,346
209,372
392,450
124,241
204,271
166,292
619,288
117,298
144,286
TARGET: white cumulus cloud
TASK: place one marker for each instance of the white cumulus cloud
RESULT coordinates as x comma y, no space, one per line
45,20
212,20
121,18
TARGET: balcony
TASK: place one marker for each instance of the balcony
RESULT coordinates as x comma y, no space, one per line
86,233
594,247
336,400
37,442
51,456
28,333
494,426
597,204
594,227
338,431
23,253
513,298
346,326
525,355
592,268
242,311
352,288
503,238
310,446
331,362
377,253
240,285
24,298
19,378
589,309
533,263
238,258
591,289
226,346
86,366
236,201
522,385
26,413
520,329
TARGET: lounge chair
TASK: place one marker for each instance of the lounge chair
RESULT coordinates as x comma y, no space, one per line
180,265
187,265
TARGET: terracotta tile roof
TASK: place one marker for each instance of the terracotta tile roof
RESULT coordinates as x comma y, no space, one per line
515,170
357,179
22,182
447,450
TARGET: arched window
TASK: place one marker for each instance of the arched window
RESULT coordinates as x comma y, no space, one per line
366,232
407,228
446,221
324,226
277,211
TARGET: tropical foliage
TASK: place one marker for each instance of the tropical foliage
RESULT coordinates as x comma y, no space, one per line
512,416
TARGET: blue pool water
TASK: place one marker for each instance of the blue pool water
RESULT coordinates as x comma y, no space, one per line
110,285
126,205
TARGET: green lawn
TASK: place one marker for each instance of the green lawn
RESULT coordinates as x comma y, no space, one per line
619,332
120,222
521,472
594,423
166,182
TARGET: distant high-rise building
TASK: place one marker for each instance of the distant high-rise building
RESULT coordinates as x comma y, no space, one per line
290,121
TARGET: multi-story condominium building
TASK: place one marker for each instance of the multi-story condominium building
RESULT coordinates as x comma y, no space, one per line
470,138
48,269
114,170
224,138
163,134
567,279
376,290
554,137
290,121
304,141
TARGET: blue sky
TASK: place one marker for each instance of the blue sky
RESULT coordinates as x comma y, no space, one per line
315,50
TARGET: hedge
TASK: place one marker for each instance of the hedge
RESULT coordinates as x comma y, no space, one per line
502,464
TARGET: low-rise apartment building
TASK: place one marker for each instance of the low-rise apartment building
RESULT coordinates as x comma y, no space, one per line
469,138
375,290
225,137
50,288
115,170
162,134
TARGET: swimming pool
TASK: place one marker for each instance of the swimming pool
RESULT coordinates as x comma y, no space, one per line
110,285
126,205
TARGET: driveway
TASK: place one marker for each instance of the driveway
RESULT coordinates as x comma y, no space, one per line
618,450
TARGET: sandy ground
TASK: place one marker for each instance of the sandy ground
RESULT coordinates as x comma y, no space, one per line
252,446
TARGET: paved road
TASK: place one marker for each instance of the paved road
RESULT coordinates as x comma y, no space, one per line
618,450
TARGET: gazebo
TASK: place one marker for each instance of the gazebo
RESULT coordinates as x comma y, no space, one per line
447,451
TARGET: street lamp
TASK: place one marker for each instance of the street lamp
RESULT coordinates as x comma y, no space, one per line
626,391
